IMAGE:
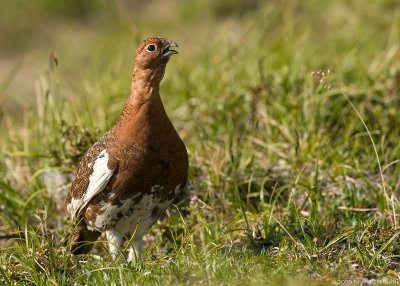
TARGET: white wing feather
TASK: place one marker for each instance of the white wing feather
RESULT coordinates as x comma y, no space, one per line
97,183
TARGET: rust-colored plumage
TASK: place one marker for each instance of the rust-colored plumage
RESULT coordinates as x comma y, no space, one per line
132,174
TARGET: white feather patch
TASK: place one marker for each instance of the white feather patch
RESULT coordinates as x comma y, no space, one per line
97,182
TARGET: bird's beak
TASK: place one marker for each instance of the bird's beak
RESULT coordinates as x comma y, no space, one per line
167,51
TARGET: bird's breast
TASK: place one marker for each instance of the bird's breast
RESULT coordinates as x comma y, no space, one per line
143,166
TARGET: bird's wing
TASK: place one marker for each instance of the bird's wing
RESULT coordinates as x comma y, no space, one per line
98,181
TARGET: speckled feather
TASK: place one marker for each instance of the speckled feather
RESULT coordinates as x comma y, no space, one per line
148,159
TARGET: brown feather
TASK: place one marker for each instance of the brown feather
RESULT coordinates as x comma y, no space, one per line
144,149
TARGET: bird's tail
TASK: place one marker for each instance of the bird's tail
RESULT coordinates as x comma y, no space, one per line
82,238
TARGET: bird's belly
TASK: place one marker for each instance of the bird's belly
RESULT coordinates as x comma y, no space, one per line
134,214
140,220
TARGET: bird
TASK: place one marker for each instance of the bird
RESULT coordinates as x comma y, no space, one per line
131,175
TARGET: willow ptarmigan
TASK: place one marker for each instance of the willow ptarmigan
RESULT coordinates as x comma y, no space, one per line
128,178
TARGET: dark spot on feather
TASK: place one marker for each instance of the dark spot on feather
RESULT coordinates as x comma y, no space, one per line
155,212
164,164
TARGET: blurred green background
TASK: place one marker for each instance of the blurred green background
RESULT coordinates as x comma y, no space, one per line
290,111
89,36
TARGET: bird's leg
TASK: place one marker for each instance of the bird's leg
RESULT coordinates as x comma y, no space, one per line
115,240
136,242
135,249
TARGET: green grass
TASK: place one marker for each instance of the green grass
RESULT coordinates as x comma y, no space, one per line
291,115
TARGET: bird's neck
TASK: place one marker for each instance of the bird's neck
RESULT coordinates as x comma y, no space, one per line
146,83
144,104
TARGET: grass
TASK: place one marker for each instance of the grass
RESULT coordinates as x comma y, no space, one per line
289,111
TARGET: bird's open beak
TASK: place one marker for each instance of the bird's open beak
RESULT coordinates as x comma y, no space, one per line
168,52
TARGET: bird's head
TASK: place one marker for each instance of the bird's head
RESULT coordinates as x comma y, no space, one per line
154,53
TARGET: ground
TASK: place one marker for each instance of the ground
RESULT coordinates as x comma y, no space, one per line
290,111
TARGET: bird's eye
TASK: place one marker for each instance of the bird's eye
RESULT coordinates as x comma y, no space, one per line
151,48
